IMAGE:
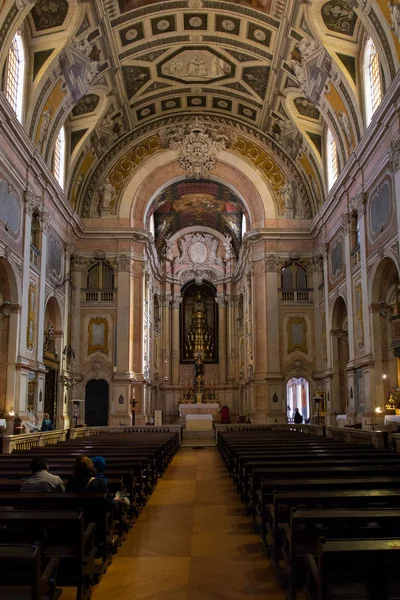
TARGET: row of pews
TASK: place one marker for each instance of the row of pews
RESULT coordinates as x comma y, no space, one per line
69,539
328,514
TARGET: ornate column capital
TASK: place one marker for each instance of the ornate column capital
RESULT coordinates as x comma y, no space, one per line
357,204
123,263
345,222
32,202
271,263
176,301
323,250
220,300
45,221
166,300
231,300
394,154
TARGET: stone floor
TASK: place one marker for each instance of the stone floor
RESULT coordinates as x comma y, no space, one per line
193,541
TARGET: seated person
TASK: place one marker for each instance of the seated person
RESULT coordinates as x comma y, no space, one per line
41,480
84,478
99,464
47,425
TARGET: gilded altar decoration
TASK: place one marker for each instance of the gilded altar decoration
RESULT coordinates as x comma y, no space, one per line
98,335
297,334
197,150
199,340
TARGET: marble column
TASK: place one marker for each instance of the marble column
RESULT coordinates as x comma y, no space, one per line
62,407
221,301
272,285
166,300
44,223
231,337
350,374
31,202
175,354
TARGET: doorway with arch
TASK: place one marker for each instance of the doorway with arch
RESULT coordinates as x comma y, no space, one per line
298,396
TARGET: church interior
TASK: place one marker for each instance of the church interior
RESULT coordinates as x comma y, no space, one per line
199,227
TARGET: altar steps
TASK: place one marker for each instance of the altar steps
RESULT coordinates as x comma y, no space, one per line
197,439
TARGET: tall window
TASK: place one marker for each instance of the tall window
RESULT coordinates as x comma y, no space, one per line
100,277
293,277
15,75
59,158
331,159
372,80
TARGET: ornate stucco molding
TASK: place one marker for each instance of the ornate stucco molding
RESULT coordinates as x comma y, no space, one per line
395,155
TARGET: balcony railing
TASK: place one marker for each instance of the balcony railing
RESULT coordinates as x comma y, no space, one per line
102,296
296,296
35,256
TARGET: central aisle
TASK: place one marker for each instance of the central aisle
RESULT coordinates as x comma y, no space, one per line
193,541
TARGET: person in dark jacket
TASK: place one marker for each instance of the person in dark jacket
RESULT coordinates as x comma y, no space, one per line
85,477
297,417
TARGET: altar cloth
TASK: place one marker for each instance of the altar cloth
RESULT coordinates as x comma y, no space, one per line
199,422
198,408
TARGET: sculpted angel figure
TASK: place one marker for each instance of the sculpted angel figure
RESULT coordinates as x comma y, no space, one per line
46,118
287,195
307,46
395,18
345,125
299,73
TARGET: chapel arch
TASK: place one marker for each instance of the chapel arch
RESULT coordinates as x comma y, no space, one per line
385,308
52,352
9,324
340,354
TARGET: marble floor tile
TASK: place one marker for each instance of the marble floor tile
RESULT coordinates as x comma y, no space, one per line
193,541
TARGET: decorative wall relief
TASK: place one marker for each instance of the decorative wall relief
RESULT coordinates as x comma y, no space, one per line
10,207
98,335
337,258
307,108
380,208
55,257
87,104
297,334
47,14
358,315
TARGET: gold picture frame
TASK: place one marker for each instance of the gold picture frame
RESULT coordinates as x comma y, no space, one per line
297,334
98,335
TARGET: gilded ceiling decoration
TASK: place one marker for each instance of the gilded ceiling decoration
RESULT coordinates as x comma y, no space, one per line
260,67
47,14
339,16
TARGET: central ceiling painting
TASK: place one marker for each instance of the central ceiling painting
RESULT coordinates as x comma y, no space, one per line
193,203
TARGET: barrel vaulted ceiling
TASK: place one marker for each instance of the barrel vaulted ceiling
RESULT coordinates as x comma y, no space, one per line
270,74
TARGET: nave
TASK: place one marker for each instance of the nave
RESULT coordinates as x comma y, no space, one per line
193,541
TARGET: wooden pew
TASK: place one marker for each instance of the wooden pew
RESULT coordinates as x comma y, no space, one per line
307,526
279,510
21,567
62,536
362,569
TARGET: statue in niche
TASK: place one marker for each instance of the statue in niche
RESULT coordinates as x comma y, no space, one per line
307,46
287,195
107,191
46,118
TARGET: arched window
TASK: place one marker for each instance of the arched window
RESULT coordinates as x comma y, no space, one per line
15,71
100,276
331,159
294,277
372,80
59,158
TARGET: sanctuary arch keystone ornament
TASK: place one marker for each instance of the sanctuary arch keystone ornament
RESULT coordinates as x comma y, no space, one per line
197,151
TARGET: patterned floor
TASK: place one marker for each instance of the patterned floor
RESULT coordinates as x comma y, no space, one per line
193,541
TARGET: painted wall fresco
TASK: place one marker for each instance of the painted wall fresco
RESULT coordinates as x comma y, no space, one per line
190,203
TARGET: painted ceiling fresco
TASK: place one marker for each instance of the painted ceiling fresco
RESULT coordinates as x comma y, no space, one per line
47,14
118,72
190,203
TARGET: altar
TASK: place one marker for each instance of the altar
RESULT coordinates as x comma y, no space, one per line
198,409
199,422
